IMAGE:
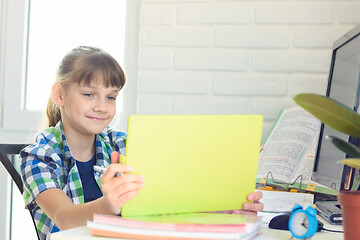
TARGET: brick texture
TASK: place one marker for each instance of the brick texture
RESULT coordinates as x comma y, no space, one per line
236,56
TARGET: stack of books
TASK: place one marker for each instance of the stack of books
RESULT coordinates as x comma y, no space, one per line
195,226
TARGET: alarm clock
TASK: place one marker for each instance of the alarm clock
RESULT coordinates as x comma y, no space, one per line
303,223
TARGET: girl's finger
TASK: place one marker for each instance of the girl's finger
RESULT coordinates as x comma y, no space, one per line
112,186
256,207
115,202
114,169
115,157
120,201
125,179
255,196
244,212
121,190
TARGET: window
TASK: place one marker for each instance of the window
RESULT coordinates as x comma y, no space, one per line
57,26
38,33
22,65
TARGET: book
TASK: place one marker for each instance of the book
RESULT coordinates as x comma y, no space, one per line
176,226
288,156
279,202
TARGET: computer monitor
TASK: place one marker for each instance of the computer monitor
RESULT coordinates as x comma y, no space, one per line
343,86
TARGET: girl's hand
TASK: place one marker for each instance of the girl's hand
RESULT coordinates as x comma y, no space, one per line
252,207
248,208
117,186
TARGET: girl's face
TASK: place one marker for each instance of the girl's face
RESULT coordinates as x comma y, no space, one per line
88,109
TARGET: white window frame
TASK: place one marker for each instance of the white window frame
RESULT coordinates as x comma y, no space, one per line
13,49
17,124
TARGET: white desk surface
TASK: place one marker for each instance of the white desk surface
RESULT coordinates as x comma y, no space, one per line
83,233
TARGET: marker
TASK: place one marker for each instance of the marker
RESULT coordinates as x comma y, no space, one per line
102,170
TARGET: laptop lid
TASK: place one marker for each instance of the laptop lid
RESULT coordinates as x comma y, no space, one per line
192,163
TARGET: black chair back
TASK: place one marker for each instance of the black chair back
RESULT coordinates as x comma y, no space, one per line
11,163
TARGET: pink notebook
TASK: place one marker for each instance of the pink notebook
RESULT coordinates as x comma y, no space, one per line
197,222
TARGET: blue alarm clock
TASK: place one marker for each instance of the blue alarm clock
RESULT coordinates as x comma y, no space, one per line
303,223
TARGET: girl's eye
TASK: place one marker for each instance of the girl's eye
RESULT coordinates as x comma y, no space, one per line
112,98
87,94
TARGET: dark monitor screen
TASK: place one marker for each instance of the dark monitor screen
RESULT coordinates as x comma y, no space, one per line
343,86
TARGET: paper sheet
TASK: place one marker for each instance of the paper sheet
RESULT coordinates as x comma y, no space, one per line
275,201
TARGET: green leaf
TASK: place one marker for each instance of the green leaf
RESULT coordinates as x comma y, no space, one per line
330,112
344,146
351,162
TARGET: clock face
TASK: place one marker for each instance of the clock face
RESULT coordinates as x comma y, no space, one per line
299,224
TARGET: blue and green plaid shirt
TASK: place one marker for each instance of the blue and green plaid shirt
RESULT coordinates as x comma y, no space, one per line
49,164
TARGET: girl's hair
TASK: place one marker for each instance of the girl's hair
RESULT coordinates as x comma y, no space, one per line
84,64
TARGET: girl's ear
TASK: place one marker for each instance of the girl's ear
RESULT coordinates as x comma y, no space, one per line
57,94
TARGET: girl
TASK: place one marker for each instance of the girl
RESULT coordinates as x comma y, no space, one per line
60,186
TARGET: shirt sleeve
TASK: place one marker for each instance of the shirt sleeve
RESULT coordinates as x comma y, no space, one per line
39,172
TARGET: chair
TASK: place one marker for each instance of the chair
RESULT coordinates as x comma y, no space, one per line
11,163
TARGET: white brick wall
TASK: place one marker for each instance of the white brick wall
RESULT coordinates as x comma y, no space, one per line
295,12
236,56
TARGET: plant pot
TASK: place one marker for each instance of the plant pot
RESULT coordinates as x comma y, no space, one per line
350,206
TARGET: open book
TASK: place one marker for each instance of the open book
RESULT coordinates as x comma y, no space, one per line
287,159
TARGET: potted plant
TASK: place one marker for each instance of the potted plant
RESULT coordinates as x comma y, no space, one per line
341,118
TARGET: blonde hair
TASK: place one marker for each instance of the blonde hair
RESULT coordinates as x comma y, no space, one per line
82,65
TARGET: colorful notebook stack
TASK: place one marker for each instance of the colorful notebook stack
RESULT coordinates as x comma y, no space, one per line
191,164
187,226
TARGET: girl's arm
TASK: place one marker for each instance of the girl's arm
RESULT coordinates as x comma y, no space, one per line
117,191
58,206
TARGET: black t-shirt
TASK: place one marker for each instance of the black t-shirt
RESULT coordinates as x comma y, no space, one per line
90,187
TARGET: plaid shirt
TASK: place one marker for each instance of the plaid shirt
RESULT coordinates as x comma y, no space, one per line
49,164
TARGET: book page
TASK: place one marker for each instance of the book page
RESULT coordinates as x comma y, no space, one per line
307,164
287,144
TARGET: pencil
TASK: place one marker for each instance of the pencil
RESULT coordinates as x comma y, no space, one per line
261,148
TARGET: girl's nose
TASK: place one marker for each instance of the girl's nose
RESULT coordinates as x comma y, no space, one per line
100,106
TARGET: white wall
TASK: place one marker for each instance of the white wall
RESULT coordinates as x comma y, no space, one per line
225,57
231,56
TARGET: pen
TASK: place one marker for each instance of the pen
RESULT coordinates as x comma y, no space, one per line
102,170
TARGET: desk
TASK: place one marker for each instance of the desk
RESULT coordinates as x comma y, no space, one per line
83,233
